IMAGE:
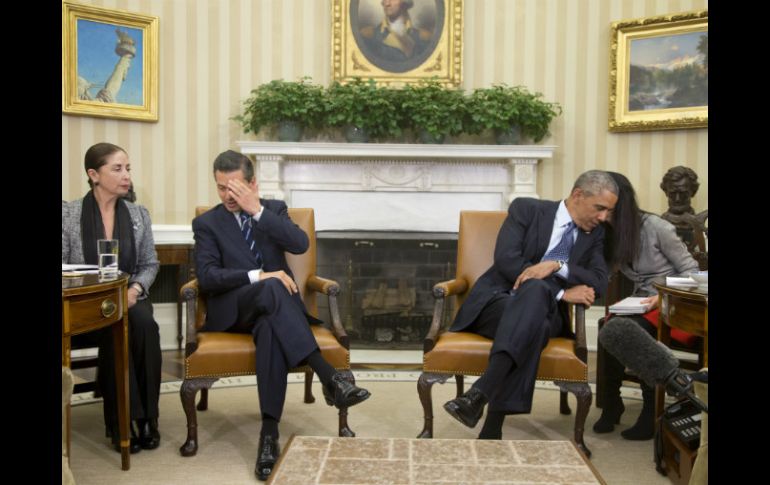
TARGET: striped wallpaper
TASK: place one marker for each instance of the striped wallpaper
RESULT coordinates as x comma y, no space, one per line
213,52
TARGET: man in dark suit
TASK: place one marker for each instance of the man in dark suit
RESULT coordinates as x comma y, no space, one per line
546,253
241,267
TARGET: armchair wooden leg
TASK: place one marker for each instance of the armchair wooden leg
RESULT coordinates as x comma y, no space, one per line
424,385
582,392
203,404
563,403
187,392
344,429
309,399
460,380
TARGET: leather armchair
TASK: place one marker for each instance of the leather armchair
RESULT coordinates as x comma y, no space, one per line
212,355
564,360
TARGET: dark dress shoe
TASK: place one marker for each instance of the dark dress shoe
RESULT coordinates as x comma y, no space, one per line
149,437
133,445
342,394
610,417
268,454
467,408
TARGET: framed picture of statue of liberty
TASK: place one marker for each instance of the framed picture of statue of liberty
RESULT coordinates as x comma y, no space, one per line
397,42
659,72
109,63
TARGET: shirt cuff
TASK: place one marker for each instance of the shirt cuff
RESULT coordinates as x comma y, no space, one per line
254,275
258,215
563,272
559,295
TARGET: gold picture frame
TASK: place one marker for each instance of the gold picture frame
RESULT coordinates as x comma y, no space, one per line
668,87
109,63
431,45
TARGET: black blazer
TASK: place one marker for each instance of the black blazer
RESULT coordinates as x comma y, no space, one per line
521,243
223,259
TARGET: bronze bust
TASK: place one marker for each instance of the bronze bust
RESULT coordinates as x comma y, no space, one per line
680,185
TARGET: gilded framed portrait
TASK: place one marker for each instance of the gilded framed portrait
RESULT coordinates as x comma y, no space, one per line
109,63
659,73
397,41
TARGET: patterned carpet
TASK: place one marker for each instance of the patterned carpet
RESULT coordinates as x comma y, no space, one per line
338,461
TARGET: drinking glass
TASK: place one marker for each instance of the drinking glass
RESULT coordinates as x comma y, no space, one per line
108,258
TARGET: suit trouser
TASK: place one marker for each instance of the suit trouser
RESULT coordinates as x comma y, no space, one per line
281,334
144,364
520,324
614,371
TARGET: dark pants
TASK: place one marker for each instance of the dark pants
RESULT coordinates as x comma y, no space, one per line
520,325
614,371
281,334
144,364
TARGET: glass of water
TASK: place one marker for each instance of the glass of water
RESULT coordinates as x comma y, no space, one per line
108,258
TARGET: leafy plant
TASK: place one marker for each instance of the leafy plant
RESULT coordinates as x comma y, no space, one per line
364,105
434,108
279,100
499,107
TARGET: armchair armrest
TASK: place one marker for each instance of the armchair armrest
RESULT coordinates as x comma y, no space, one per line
449,288
581,350
189,293
331,289
440,292
323,285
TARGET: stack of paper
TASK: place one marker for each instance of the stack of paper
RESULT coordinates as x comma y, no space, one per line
630,306
78,269
678,281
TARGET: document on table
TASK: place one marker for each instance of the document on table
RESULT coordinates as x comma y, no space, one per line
679,281
630,306
78,269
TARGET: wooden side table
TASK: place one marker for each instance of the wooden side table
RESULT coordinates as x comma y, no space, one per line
685,308
89,304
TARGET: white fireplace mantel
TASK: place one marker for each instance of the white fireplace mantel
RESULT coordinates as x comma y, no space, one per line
412,187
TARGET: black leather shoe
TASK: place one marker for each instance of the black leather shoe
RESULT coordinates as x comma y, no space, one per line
610,417
467,408
133,445
268,454
149,437
342,394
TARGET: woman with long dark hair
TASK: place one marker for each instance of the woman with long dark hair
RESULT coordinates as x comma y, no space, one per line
644,248
105,213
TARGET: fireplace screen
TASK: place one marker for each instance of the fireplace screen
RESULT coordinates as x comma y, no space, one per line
386,281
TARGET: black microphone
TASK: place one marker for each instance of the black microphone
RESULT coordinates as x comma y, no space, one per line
649,359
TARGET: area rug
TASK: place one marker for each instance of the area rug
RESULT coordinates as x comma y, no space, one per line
367,461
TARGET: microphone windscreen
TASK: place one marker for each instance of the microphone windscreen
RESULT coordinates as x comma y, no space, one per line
635,349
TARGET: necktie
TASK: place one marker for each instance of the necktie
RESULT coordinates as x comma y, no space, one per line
561,251
246,231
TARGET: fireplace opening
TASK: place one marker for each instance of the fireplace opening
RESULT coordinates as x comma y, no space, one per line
386,281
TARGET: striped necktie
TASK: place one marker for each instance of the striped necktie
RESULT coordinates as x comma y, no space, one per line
246,222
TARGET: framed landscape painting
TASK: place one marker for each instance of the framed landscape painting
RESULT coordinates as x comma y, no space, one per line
397,41
659,73
109,63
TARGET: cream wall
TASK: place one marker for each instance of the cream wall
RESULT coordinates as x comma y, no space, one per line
213,52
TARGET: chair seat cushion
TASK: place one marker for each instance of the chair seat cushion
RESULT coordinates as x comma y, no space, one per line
222,354
468,354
